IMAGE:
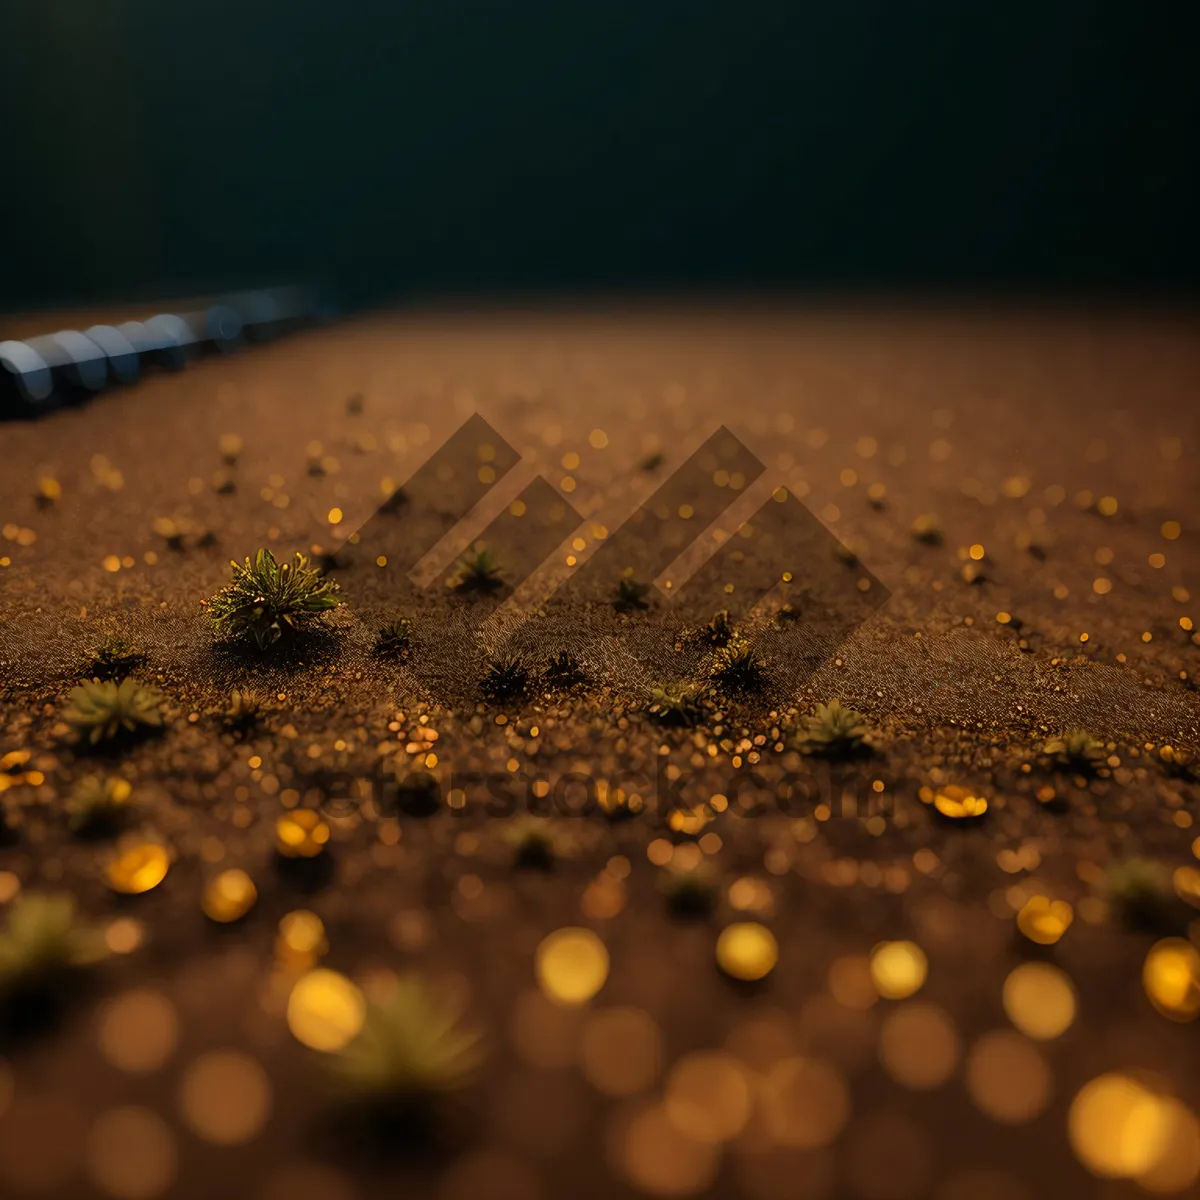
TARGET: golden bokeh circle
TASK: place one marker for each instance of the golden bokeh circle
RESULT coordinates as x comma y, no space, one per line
1008,1078
747,950
708,1096
621,1051
138,1031
325,1010
898,969
571,965
806,1103
1171,977
225,1097
1039,999
131,1154
919,1045
661,1160
1117,1127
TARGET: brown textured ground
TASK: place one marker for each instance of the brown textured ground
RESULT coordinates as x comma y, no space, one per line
1013,428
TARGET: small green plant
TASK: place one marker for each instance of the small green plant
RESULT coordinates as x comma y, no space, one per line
100,710
1075,750
689,891
719,631
506,678
1140,893
394,639
478,572
533,843
632,596
834,730
564,670
652,462
738,669
244,710
412,1047
115,657
268,600
676,705
43,940
99,805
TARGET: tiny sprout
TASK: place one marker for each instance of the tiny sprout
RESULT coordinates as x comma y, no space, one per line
1140,892
478,572
245,708
99,805
1076,750
393,639
533,843
506,677
115,657
719,631
411,1048
925,529
738,668
653,461
564,670
268,599
43,940
689,891
833,730
676,705
631,596
98,711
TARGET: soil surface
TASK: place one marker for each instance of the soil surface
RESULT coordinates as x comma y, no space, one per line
978,529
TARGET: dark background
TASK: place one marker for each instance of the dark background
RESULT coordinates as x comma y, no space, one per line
432,146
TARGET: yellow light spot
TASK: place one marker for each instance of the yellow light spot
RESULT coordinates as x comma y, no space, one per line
1171,530
1185,623
1171,977
254,762
1178,1166
487,474
335,516
977,552
898,969
598,439
747,950
517,508
301,939
111,563
49,488
659,1159
1003,618
567,484
230,896
570,460
1117,1127
1157,561
1101,586
301,834
1039,999
708,1096
571,966
325,1010
850,982
955,802
1107,506
124,935
138,869
1043,920
848,477
381,561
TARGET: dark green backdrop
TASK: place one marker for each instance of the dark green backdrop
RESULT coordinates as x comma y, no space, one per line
437,145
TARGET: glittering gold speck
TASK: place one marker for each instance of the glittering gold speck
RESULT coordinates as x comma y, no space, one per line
898,969
747,950
571,965
325,1010
301,834
1043,920
1171,977
230,896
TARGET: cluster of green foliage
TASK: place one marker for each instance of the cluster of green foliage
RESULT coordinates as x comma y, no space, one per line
268,600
